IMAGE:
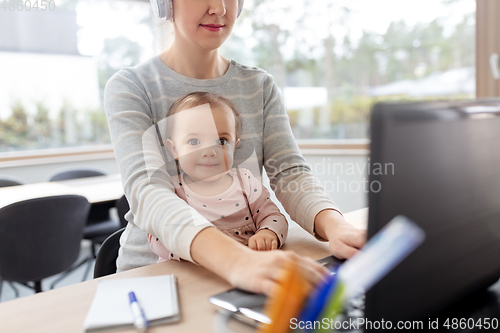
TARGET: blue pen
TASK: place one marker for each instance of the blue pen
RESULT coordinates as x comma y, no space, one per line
140,320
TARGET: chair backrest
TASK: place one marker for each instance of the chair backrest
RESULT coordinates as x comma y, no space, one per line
122,207
41,237
74,174
99,212
9,181
105,263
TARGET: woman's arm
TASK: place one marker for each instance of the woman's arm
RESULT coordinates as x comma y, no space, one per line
156,208
345,240
247,269
298,190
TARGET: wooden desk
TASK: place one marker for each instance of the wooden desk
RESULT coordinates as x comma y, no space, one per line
95,189
64,310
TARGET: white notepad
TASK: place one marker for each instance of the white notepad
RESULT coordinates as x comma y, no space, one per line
110,308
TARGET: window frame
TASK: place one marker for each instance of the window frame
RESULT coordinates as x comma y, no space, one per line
487,43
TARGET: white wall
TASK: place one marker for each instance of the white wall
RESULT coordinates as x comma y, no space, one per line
41,173
342,175
345,178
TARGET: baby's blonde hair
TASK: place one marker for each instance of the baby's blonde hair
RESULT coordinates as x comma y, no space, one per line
199,98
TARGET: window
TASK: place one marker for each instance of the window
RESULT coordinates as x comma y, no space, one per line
334,59
55,63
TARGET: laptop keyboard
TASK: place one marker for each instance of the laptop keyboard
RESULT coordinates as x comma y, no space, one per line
354,309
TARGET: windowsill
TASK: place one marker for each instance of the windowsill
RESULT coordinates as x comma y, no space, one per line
55,155
88,153
335,147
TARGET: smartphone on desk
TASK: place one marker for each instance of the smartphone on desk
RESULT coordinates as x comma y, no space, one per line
249,307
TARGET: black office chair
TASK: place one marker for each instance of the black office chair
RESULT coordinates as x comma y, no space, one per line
9,181
74,174
105,262
99,224
6,181
122,207
40,237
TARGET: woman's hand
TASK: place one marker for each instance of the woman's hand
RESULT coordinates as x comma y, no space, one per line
263,240
260,272
256,271
344,238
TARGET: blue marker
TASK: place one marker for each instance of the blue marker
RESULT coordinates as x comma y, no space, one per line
318,298
140,320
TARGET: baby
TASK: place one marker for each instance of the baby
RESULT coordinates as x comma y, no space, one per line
202,139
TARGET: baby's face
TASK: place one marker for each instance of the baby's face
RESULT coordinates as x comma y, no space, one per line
204,141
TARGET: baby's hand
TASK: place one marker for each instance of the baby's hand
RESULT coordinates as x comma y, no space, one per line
263,240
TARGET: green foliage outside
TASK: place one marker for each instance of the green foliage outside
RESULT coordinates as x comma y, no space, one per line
349,68
345,67
357,109
26,131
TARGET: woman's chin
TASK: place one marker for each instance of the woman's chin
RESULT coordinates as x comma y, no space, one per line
213,43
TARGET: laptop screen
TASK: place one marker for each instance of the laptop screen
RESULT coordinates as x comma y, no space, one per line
439,165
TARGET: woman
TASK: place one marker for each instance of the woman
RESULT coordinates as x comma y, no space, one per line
136,99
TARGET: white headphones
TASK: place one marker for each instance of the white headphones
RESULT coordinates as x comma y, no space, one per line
165,8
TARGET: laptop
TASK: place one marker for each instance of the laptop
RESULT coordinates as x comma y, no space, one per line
249,307
437,163
440,164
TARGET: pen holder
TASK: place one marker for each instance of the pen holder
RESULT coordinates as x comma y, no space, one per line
286,301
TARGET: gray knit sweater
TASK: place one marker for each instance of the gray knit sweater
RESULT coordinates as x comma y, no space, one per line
137,100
